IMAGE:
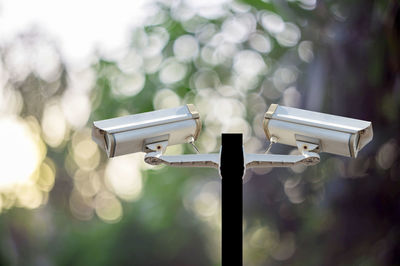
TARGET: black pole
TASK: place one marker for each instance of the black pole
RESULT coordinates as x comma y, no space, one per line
232,169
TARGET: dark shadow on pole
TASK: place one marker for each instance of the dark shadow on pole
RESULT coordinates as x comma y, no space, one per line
232,169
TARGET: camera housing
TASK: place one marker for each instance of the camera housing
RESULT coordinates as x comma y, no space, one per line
333,134
133,133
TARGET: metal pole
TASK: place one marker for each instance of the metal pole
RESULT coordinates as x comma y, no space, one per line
232,170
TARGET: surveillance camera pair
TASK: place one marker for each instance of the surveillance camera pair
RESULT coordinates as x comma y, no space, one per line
311,132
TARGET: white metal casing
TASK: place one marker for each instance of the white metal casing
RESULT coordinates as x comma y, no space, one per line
130,134
334,134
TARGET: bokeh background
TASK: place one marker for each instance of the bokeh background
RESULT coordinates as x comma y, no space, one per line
66,64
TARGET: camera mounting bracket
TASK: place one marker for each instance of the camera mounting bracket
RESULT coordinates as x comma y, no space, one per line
212,160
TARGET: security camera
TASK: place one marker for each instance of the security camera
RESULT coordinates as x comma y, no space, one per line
135,133
311,132
328,133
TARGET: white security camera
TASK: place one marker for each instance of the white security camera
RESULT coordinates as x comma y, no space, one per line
311,132
327,133
135,133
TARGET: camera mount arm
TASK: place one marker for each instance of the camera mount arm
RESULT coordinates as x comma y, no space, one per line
307,157
156,157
